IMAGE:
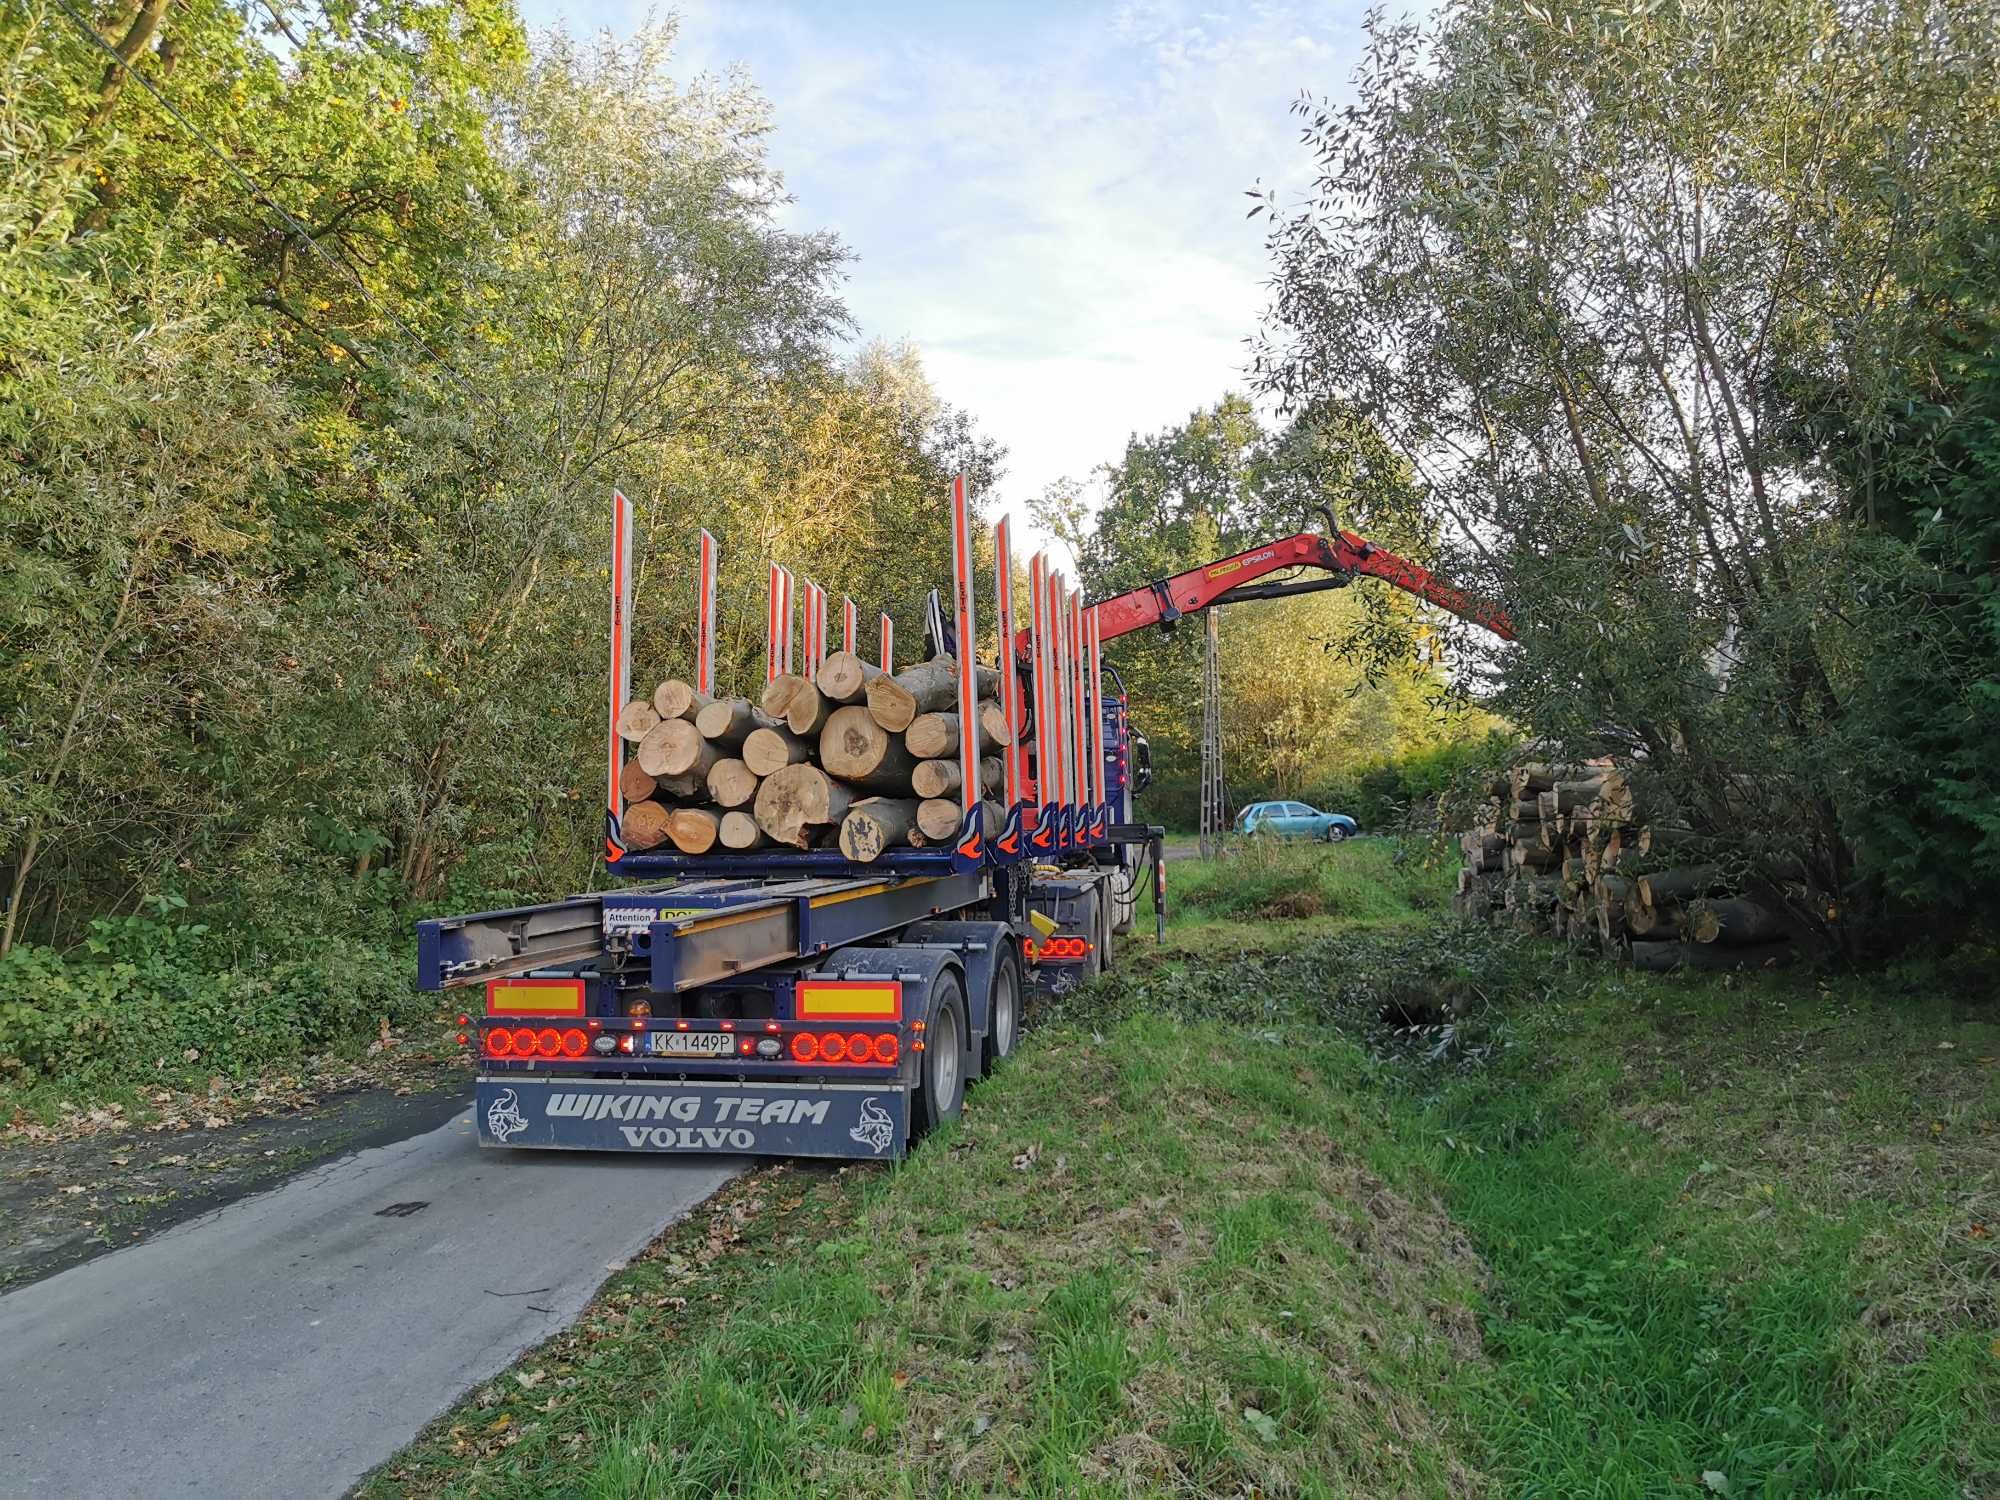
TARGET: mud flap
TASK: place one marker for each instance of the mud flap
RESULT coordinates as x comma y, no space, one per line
868,1121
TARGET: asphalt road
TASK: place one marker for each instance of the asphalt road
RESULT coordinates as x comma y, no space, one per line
289,1342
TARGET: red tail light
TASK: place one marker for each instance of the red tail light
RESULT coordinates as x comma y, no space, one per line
574,1043
833,1047
886,1049
805,1046
852,1048
860,1047
499,1042
524,1041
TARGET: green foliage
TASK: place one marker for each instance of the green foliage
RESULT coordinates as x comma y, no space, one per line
1366,882
1681,316
302,581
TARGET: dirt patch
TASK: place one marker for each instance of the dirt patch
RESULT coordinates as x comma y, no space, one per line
66,1201
1294,904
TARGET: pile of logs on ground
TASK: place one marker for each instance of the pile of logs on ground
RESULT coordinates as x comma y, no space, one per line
1568,852
855,759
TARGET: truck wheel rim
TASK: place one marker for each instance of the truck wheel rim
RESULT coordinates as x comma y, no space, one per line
1003,1014
944,1047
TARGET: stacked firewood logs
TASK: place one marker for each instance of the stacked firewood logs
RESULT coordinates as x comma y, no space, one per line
1570,852
855,759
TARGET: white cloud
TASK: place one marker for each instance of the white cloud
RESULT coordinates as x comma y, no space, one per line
1048,203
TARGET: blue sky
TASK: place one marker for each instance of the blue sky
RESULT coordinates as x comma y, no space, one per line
1046,199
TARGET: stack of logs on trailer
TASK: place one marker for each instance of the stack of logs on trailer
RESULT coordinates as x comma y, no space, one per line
1568,852
856,759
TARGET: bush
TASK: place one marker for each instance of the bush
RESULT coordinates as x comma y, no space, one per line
143,991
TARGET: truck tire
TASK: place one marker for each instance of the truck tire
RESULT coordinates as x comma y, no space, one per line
1003,1015
1107,923
941,1074
1125,897
1090,908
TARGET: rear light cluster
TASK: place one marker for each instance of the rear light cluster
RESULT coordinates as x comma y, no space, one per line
529,1043
1057,947
851,1048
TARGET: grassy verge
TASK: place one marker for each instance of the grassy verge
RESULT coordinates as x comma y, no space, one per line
1375,1206
1360,884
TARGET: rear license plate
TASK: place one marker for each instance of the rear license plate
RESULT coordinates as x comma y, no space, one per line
691,1043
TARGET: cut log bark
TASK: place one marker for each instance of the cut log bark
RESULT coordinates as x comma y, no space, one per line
1733,922
768,750
798,799
777,695
1663,886
678,749
730,721
942,778
1535,857
844,677
693,829
644,825
807,712
732,784
1665,956
926,688
1653,922
875,825
674,699
739,830
637,719
635,782
931,736
860,751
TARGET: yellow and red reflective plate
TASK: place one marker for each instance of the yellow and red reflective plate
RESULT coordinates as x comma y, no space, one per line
534,997
849,1000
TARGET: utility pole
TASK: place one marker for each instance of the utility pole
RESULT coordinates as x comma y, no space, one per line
1214,815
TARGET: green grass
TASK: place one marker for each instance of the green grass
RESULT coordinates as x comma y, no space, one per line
1361,883
1378,1206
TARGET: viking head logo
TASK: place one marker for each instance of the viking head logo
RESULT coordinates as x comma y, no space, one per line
876,1130
504,1117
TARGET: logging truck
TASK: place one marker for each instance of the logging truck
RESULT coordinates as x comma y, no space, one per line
831,901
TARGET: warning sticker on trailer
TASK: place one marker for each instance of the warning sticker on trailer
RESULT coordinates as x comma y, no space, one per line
627,919
767,1119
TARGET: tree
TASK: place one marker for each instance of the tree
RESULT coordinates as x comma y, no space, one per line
1600,274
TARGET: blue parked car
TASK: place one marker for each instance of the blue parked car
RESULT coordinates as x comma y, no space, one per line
1294,820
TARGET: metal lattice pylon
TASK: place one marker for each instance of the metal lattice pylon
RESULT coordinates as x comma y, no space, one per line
1214,815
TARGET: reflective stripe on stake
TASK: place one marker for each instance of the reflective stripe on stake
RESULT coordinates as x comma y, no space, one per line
1010,681
1038,675
1080,721
968,677
1065,707
621,668
772,656
888,643
850,624
704,653
1097,705
788,586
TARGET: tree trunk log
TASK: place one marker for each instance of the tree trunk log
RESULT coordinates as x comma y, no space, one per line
808,711
693,829
1643,920
635,782
637,719
644,825
1660,957
676,748
732,784
942,778
844,677
1736,923
993,728
932,736
797,800
938,819
777,694
857,749
876,824
926,688
676,700
1663,886
739,830
766,751
729,721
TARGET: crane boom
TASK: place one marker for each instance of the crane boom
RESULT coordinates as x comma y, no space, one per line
1342,555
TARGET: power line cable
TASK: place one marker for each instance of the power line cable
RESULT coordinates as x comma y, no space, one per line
131,70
